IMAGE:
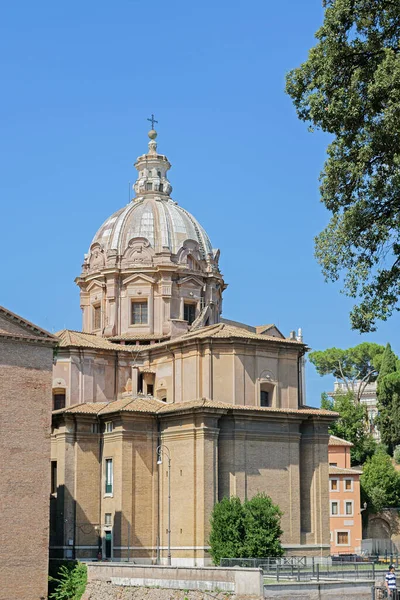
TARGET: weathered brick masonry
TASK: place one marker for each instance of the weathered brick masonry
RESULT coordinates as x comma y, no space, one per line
26,356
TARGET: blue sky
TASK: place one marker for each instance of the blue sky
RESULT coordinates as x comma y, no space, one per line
79,80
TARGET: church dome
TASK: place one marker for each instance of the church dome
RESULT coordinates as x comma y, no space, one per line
152,214
160,220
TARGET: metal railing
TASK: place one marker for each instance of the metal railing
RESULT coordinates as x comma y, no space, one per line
296,568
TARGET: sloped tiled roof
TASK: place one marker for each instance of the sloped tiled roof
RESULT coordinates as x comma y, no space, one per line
22,329
337,441
151,405
225,331
138,336
342,471
78,339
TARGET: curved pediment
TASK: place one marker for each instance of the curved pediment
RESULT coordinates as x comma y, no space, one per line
96,257
138,252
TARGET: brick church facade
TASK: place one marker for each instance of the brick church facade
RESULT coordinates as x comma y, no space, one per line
158,392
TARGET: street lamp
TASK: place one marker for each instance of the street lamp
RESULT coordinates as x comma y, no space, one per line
162,449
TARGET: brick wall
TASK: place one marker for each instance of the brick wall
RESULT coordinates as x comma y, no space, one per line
25,413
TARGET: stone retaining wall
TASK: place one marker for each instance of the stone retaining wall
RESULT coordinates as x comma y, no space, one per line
241,582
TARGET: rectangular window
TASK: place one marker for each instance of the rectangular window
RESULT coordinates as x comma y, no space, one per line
107,519
189,312
96,316
58,400
149,186
349,508
334,485
264,398
109,475
150,389
334,508
109,426
94,428
348,485
333,464
139,313
54,477
343,538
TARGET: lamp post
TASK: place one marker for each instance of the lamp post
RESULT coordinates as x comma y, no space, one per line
162,449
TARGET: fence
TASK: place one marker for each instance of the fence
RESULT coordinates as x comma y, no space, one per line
380,592
294,568
378,547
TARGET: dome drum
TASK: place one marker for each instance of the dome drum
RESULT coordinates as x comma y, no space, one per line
158,241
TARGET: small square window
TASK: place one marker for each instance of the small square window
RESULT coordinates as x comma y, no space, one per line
189,312
334,508
139,313
109,426
58,400
96,316
349,508
342,538
334,485
107,519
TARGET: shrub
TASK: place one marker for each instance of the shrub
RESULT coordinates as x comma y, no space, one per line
248,530
70,583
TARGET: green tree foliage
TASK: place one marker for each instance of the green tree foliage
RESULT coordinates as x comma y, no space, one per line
350,87
262,524
396,455
248,530
380,482
355,367
71,582
352,425
227,530
388,419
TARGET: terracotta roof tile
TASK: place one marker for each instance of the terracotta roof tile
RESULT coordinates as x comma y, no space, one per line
138,336
337,441
224,331
77,339
151,405
342,471
87,408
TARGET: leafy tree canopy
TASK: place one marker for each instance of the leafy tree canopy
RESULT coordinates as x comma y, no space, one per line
352,425
388,419
380,482
350,87
248,530
355,367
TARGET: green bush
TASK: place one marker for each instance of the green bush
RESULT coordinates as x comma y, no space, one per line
396,455
70,583
248,530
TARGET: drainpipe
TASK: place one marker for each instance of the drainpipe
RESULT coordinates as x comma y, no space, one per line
116,376
158,496
101,442
74,504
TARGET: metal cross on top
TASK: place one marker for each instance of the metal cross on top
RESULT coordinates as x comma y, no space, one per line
152,121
